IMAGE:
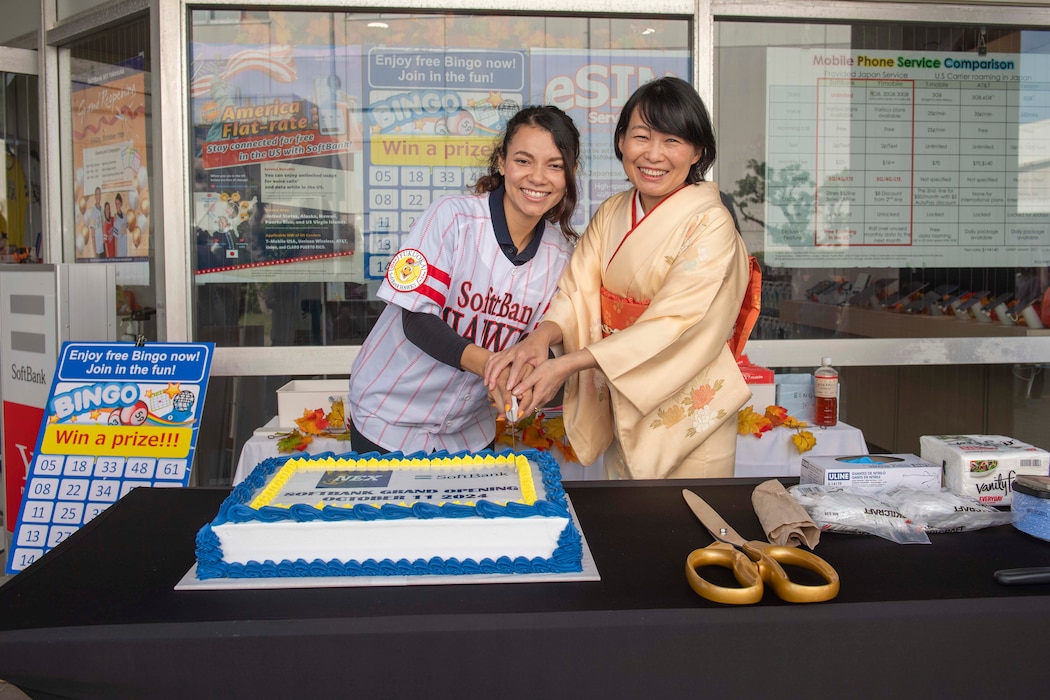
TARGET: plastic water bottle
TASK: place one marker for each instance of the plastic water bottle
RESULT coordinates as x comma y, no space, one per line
826,393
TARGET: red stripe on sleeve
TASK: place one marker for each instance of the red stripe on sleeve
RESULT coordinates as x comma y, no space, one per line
433,294
440,275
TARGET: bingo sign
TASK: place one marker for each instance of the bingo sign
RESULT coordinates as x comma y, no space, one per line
433,118
118,416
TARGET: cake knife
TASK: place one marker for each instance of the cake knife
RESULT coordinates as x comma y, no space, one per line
512,420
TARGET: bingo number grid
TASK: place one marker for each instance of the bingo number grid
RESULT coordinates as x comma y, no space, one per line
63,492
397,195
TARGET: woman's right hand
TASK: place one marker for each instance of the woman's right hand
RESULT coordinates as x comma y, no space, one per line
518,360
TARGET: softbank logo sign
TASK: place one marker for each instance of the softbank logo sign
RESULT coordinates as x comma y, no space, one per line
354,479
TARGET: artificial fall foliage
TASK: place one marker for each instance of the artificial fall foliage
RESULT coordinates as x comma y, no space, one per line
293,441
538,432
751,423
296,441
314,423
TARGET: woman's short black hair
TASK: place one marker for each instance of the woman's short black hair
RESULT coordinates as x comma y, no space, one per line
566,139
671,105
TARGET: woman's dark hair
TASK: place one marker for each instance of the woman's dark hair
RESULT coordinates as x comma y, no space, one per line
671,105
566,139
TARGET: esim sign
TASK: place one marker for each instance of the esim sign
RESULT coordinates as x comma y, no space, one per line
596,85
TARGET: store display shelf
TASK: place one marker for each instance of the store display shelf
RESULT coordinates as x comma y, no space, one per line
871,323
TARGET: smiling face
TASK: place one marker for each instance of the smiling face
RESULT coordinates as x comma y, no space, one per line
655,162
534,175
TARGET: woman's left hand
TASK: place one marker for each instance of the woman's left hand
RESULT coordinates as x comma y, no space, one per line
540,385
545,380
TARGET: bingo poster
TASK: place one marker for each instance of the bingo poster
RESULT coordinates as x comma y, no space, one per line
118,416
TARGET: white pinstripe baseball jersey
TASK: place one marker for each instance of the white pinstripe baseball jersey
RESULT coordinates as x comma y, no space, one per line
450,265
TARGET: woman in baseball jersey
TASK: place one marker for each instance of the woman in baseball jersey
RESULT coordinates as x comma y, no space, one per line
646,307
473,277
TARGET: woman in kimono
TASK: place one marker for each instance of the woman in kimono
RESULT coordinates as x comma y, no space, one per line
645,308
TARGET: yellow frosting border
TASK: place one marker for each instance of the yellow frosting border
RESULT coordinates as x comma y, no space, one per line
519,463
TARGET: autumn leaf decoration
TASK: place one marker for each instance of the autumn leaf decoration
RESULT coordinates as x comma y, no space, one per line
751,423
312,422
293,441
539,432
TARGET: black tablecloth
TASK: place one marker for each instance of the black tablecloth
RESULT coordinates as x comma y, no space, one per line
99,617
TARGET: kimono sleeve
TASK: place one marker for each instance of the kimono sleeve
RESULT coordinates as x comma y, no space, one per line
574,306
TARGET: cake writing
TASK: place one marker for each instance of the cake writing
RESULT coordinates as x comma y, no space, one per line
347,483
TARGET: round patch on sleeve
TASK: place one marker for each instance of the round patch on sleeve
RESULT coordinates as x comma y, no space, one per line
407,271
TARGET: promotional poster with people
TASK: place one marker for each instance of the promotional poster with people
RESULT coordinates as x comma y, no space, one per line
112,208
276,180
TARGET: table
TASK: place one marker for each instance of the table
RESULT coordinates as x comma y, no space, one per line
775,455
772,455
98,617
261,446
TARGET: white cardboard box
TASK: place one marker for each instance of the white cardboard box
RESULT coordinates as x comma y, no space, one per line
871,472
762,395
984,466
310,394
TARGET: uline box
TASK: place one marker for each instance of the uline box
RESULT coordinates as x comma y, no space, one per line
871,472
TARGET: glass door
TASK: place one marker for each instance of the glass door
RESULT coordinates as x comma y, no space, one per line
21,223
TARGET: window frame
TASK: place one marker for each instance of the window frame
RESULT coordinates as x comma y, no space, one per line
171,30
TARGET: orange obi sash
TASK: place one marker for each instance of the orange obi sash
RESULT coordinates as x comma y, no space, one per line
619,312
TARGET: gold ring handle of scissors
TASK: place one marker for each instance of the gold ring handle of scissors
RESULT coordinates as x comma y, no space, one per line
760,562
728,557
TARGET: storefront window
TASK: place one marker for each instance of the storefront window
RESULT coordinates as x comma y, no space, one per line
319,138
892,178
110,108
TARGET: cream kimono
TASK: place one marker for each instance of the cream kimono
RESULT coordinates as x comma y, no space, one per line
669,381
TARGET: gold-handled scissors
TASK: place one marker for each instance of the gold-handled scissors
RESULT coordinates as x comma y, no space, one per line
758,562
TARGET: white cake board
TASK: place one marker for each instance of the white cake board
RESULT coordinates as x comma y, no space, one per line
190,582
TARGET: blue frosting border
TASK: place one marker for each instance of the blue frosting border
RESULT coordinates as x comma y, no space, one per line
567,556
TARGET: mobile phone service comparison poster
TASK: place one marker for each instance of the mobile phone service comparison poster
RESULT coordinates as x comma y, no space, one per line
118,416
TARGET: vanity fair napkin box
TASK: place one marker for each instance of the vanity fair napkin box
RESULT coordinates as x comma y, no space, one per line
871,472
984,466
310,394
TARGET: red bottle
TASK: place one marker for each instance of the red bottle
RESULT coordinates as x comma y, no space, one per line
826,391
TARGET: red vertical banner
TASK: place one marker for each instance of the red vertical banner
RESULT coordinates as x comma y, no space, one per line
21,429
